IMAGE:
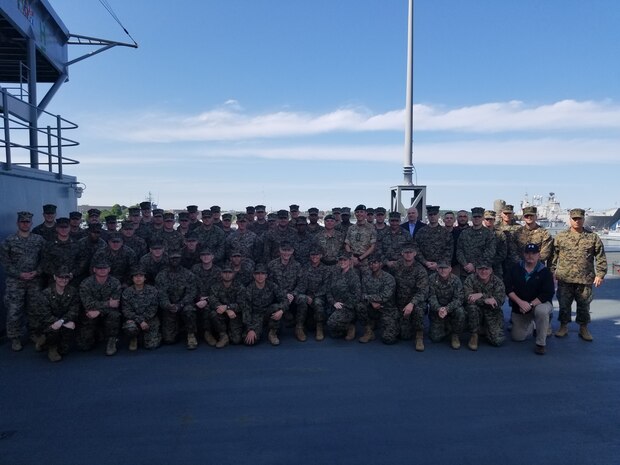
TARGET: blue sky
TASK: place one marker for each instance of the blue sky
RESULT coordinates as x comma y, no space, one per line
242,102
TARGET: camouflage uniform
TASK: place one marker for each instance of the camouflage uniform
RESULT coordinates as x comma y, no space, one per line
46,232
480,314
52,307
177,295
60,253
331,246
260,304
303,244
247,243
20,255
172,240
474,245
96,296
380,289
360,237
245,274
411,287
137,244
212,238
260,229
392,243
86,250
120,262
313,282
274,238
501,253
434,244
539,236
141,306
347,289
578,258
151,267
205,279
232,297
445,293
509,231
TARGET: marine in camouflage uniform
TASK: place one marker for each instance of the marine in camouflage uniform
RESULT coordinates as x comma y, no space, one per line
120,257
484,296
153,262
140,303
331,241
207,274
445,302
190,253
62,251
243,269
172,239
178,291
434,242
509,227
304,241
76,232
87,247
475,243
344,294
244,241
394,240
532,233
361,239
312,284
411,295
47,229
501,244
100,295
285,272
56,314
381,227
260,226
379,303
283,232
313,222
226,308
264,304
135,243
211,237
20,255
579,261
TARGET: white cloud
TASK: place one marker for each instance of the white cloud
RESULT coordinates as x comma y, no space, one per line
231,122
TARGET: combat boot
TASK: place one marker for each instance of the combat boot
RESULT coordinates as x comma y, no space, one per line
350,332
39,342
585,334
299,333
16,345
455,343
111,347
319,332
419,341
273,337
369,335
192,342
223,342
473,342
53,355
133,343
209,339
562,331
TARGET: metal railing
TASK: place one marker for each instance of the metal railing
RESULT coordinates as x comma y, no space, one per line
16,134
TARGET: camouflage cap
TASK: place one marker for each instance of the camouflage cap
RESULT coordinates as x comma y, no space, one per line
336,210
242,217
301,221
115,237
110,219
250,209
282,214
316,251
192,208
158,212
75,215
227,217
271,217
489,215
127,225
531,210
62,272
94,212
49,208
227,269
191,236
477,211
168,216
329,217
380,211
145,205
101,263
215,209
137,270
24,216
375,258
483,264
394,216
286,245
260,268
313,211
260,208
408,247
345,211
370,210
183,216
508,209
236,253
94,227
577,213
293,208
207,213
344,255
62,222
133,211
442,264
206,252
157,244
432,209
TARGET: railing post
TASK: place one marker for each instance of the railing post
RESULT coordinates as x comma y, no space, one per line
49,148
7,129
59,142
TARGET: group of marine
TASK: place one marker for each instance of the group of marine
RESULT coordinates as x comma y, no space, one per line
161,276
